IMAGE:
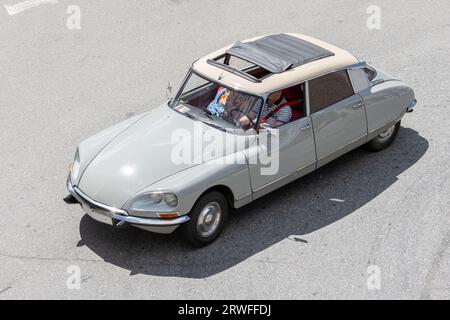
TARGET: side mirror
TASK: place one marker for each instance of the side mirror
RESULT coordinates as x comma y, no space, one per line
169,91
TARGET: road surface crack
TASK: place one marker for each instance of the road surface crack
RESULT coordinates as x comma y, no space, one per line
4,290
2,255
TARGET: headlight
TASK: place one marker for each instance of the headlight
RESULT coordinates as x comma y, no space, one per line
75,167
154,202
171,199
156,197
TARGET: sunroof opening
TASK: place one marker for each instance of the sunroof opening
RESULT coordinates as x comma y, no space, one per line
243,65
269,55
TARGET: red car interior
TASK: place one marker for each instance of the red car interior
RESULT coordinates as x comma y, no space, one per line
294,96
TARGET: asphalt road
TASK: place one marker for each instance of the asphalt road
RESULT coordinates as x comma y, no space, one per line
60,86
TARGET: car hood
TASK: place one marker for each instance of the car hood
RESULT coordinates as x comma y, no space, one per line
142,155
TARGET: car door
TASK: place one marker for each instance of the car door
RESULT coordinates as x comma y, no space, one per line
338,116
292,158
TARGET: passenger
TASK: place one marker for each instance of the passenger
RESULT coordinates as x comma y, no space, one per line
277,112
217,106
229,104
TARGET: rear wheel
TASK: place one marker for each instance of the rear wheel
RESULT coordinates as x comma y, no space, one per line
207,219
384,139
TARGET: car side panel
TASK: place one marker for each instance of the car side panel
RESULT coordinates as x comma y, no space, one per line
386,102
295,152
339,128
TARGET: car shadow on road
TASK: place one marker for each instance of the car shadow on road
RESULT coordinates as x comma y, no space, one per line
300,208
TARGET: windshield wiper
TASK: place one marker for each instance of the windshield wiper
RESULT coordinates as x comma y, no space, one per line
212,124
208,114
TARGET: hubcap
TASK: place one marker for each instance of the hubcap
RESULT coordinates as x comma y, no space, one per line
386,135
209,219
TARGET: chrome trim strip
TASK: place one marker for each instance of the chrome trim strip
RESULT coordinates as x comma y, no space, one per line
284,177
287,179
307,106
341,151
355,141
151,221
243,196
98,204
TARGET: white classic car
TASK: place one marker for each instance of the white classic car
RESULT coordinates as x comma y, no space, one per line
278,106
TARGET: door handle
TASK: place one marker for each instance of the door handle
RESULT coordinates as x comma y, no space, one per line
305,127
358,105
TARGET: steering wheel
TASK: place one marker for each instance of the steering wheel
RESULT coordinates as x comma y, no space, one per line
238,123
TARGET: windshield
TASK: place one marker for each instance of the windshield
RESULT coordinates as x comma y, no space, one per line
216,105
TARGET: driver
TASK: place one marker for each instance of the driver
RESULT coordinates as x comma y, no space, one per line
274,115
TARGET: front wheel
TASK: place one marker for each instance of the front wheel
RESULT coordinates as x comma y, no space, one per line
207,219
384,139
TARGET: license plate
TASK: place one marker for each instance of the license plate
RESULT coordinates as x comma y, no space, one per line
99,216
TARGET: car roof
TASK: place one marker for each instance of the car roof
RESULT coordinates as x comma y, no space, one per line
290,58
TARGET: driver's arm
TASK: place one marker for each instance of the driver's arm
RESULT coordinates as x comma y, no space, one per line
278,124
245,120
283,116
251,116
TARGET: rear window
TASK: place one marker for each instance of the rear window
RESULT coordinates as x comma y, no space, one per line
370,74
329,89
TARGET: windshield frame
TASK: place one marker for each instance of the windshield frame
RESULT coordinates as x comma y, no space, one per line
221,84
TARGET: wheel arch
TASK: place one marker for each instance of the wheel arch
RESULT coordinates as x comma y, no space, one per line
223,189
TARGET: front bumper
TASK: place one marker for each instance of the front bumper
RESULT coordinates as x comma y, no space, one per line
118,217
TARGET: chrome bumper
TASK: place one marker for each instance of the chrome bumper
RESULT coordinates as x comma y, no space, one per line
117,217
152,222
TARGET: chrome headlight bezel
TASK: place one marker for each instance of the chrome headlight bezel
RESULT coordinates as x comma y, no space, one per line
153,202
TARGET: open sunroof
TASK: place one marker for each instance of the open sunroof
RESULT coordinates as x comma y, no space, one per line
278,53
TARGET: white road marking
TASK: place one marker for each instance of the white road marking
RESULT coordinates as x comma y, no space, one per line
22,6
337,200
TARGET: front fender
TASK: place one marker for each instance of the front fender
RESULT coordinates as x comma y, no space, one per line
229,171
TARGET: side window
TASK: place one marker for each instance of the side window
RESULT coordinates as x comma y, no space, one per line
329,89
292,100
295,97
